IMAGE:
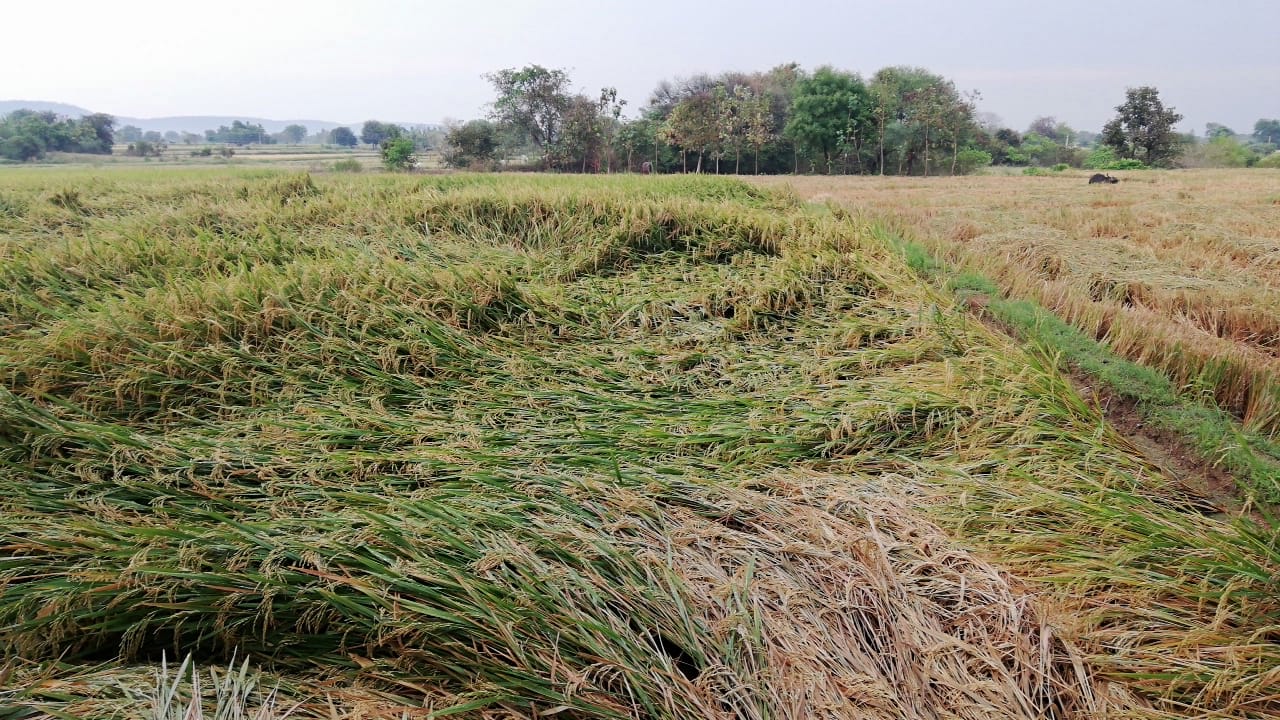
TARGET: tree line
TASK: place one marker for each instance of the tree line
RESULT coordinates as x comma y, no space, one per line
29,135
1224,147
904,120
900,121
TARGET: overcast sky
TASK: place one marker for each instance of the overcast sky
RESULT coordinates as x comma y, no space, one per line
423,61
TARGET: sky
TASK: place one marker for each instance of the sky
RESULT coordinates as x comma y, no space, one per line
405,61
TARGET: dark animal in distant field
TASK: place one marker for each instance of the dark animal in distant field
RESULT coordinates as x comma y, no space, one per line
1100,178
646,167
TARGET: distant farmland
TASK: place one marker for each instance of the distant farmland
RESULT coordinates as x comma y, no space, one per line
632,446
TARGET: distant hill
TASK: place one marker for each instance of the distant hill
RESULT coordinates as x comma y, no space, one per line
189,123
8,106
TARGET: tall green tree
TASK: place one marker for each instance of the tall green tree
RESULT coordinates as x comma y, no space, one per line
640,140
780,83
1042,151
1045,126
735,117
903,98
936,114
238,133
610,109
758,123
1053,130
1214,130
343,137
397,153
424,139
294,134
1267,131
375,133
959,122
692,127
582,136
470,143
1144,129
1004,145
773,90
884,109
668,94
830,114
102,128
533,101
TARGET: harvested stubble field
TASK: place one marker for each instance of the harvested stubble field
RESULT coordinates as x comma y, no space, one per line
586,447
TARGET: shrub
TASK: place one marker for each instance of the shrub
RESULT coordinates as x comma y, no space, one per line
970,159
1100,158
1034,171
348,165
1271,161
1059,167
1075,157
1221,151
397,153
472,145
144,149
1104,157
21,148
202,152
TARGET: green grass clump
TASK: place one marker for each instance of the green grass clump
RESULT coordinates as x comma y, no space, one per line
348,165
611,447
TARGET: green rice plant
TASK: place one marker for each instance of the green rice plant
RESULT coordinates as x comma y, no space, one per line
237,695
68,199
12,207
282,189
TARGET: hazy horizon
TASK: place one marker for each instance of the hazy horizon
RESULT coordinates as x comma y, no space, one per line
398,61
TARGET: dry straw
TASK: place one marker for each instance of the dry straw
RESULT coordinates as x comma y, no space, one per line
1178,270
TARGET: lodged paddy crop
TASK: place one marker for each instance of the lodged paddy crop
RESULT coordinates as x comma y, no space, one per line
1175,270
589,447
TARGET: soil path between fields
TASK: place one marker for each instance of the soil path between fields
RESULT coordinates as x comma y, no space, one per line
1212,490
1215,487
